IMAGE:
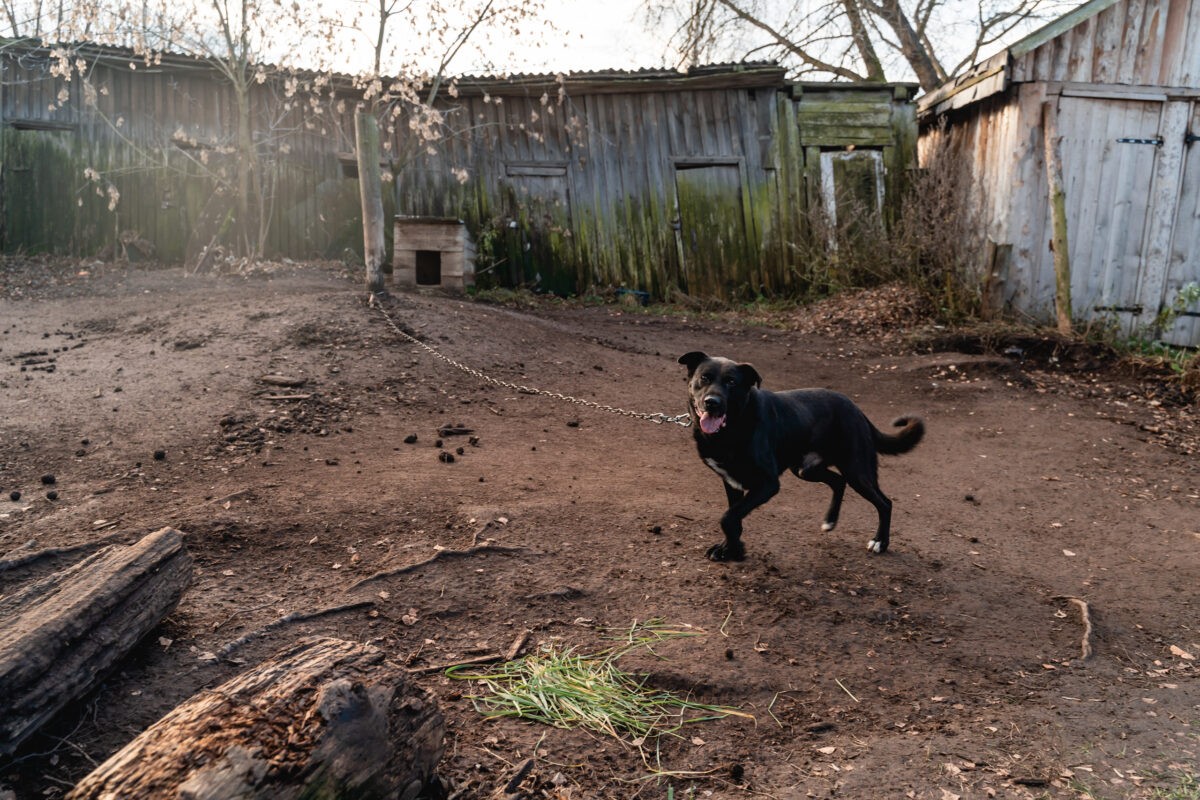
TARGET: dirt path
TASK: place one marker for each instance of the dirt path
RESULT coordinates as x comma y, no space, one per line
949,666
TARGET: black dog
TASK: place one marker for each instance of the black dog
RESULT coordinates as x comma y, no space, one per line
749,436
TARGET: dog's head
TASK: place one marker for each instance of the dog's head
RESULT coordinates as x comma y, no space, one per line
717,388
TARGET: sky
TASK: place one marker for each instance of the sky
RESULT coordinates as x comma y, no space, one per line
602,35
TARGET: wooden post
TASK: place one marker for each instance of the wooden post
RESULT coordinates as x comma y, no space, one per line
324,719
1058,214
370,190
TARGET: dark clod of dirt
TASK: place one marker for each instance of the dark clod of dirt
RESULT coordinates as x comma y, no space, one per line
572,423
51,495
729,654
14,495
438,443
49,480
80,453
459,450
473,441
737,773
410,439
446,458
159,455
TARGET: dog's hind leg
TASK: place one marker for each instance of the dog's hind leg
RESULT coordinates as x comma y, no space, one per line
883,505
819,473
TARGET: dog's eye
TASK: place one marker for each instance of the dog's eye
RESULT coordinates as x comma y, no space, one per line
729,380
705,380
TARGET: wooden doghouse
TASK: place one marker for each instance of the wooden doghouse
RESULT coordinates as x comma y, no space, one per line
432,251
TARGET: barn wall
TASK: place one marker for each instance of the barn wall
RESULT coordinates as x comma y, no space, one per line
659,181
160,136
700,190
1126,91
1135,42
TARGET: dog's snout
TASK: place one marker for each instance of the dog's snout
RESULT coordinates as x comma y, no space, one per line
712,404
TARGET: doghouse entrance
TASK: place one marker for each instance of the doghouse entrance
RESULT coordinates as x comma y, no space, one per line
429,268
432,251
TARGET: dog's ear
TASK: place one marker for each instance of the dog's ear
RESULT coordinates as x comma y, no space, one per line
692,360
750,374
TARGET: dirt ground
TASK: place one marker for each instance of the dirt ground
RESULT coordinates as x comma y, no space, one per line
948,667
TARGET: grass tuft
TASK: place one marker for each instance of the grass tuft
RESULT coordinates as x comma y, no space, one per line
561,687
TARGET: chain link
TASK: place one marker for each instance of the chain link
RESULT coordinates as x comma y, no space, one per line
656,417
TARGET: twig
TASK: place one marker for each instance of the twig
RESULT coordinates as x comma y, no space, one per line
514,649
490,658
295,616
844,689
440,554
1085,616
241,611
512,652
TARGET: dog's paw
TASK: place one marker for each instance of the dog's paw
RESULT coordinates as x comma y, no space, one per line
876,546
726,552
826,527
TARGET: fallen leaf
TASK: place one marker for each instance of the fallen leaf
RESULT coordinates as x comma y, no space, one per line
164,642
1176,650
1068,553
228,573
827,750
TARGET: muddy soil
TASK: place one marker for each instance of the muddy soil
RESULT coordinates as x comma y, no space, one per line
949,666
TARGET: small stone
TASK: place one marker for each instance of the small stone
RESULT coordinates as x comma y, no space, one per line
14,495
48,480
51,495
410,439
159,455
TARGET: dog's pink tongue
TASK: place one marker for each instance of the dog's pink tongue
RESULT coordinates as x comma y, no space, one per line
709,423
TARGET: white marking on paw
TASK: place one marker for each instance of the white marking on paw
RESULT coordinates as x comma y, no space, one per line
827,526
712,464
873,546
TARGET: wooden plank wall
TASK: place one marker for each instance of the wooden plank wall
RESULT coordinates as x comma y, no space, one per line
1116,79
617,153
585,166
159,134
1134,42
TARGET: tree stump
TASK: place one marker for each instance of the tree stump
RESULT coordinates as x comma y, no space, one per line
323,719
61,634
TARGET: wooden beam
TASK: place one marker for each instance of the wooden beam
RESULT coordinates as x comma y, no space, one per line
1052,142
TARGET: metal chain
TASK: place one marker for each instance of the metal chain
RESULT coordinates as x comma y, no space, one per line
656,417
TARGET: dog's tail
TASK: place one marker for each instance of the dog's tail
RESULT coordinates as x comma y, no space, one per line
893,444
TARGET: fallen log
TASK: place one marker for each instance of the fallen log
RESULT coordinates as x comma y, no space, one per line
325,718
61,634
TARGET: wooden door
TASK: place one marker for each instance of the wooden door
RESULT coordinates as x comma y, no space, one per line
1183,267
711,231
1108,151
539,242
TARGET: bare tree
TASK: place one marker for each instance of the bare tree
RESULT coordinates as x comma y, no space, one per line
852,40
404,85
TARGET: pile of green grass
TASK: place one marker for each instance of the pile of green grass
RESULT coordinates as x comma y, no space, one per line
559,686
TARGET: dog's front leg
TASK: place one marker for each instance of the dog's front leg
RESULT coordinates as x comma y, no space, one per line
740,505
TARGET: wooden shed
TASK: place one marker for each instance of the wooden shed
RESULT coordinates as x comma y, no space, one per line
1114,88
702,181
